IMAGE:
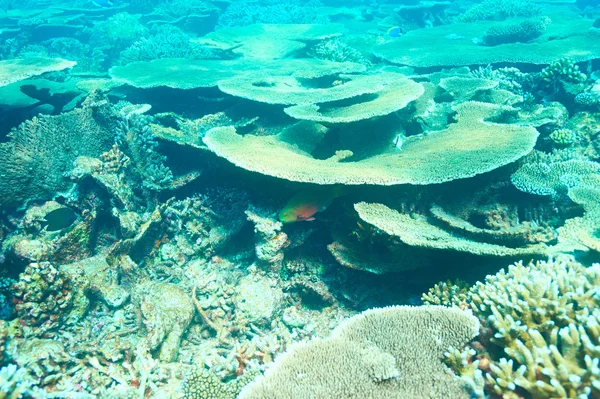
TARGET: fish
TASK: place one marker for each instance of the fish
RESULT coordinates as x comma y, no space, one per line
59,219
399,141
394,31
304,205
103,3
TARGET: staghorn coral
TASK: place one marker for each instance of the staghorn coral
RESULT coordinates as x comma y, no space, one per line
544,319
390,352
35,162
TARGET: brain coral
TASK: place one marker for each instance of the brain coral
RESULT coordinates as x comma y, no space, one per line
467,148
389,353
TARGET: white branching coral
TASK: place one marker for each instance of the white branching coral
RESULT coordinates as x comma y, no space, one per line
544,317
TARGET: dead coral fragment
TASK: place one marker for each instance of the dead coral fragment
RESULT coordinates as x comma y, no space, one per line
386,353
43,297
167,312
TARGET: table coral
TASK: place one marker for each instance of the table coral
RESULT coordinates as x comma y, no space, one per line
469,147
382,353
19,69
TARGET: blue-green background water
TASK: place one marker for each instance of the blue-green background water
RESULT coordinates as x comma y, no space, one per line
190,189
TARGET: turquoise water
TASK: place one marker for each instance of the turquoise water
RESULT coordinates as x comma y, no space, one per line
300,199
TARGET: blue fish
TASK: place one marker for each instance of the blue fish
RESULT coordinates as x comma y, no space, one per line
394,31
103,3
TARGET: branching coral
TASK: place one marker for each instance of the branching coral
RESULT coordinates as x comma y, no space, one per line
524,31
246,12
563,137
136,135
166,41
545,318
492,9
565,70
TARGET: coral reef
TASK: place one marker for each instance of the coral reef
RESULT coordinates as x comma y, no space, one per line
154,154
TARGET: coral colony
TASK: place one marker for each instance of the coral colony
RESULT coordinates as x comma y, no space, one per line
277,199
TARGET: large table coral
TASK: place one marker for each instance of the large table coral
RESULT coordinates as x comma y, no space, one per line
18,69
467,148
382,353
459,44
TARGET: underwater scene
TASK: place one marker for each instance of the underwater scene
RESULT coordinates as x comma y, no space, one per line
300,199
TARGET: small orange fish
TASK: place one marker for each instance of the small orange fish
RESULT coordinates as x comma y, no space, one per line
304,205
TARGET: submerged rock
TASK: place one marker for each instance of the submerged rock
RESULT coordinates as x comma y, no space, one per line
167,312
